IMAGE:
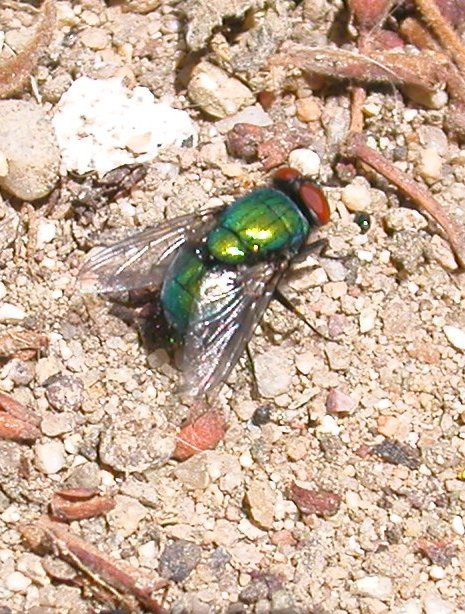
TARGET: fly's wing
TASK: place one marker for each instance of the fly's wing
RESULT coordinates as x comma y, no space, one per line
230,305
140,260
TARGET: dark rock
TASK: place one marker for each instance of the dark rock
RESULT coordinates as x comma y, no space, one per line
178,559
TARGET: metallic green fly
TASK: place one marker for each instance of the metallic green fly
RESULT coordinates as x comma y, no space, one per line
216,270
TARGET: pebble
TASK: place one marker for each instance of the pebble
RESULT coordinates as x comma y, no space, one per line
127,515
430,165
439,249
45,368
216,93
433,604
367,320
378,587
402,218
306,161
95,38
32,170
328,426
305,362
64,392
413,606
202,434
254,115
338,402
193,473
455,336
457,525
17,582
20,372
46,232
261,499
10,314
57,424
309,501
178,560
436,572
50,457
308,109
387,425
356,196
274,372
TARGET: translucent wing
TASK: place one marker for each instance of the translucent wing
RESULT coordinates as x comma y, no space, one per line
139,261
230,305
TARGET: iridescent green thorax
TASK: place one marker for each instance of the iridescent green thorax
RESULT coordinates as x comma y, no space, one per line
253,227
181,288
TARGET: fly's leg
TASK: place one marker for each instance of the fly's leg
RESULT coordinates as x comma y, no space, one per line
251,366
285,302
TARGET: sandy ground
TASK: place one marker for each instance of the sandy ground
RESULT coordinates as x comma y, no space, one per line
224,526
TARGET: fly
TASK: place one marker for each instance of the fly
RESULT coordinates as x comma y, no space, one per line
216,271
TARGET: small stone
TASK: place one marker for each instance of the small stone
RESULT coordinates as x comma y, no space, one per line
127,515
46,232
455,336
214,154
356,196
439,249
262,415
396,453
10,314
95,39
433,604
56,424
64,392
338,402
254,115
308,109
367,320
400,219
306,161
50,457
20,372
203,434
45,368
178,560
305,362
274,372
261,499
457,525
430,165
193,473
216,93
436,572
338,357
28,142
387,425
254,591
378,587
16,582
328,426
321,502
413,606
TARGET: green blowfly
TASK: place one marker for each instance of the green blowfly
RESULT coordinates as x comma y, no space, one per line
216,270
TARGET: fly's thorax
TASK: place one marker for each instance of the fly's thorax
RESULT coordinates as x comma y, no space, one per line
263,223
181,287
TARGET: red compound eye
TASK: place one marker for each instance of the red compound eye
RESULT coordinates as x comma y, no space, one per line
315,201
287,174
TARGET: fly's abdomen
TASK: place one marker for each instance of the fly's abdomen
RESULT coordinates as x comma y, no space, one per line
181,288
261,223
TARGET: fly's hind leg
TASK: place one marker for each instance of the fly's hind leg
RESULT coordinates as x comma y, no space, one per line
289,305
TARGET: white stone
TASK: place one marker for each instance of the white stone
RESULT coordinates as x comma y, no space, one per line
306,161
2,290
455,336
457,525
430,165
433,604
356,196
16,582
377,587
100,125
436,572
46,232
274,372
328,426
9,313
50,457
412,606
367,320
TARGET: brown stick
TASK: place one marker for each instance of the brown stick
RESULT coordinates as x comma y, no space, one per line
443,30
100,567
357,148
